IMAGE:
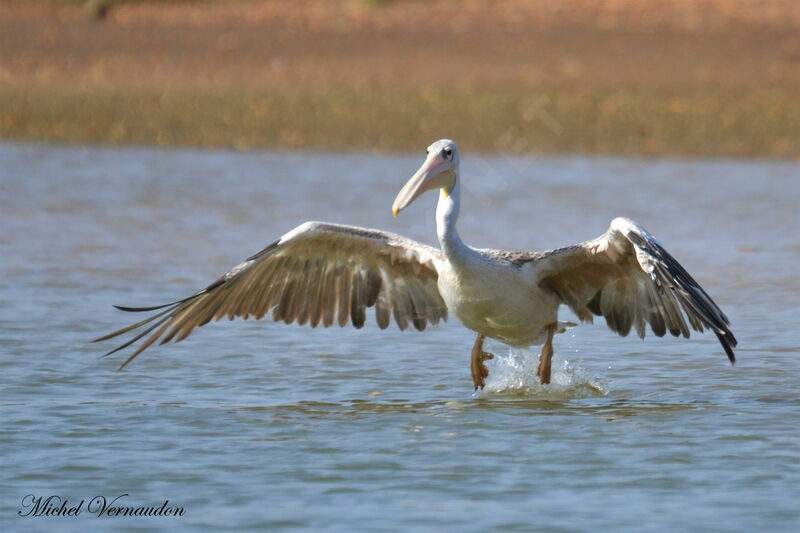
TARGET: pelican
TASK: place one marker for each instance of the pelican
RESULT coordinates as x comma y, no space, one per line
323,273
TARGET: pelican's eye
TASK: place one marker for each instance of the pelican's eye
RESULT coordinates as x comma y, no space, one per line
448,153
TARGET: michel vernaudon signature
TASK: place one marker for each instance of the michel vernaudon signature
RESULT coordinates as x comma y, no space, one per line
56,506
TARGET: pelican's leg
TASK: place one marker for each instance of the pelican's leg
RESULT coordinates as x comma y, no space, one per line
547,355
479,370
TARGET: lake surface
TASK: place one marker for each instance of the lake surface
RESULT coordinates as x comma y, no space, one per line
263,426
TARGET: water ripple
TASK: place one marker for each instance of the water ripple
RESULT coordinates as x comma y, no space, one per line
262,426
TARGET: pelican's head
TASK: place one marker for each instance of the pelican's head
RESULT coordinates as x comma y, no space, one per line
437,172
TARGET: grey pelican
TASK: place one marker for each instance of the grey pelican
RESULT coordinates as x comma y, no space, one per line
323,273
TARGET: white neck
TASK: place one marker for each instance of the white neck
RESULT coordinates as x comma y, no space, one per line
446,217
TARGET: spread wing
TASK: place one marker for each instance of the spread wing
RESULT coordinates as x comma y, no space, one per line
318,273
626,276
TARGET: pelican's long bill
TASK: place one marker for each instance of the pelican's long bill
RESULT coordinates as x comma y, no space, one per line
436,172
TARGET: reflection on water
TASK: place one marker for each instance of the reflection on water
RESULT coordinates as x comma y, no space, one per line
266,426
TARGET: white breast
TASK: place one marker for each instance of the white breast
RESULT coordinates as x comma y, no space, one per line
491,298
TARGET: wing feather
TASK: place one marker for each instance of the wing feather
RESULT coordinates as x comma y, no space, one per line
383,307
400,303
358,304
343,298
308,310
418,306
628,277
318,273
332,292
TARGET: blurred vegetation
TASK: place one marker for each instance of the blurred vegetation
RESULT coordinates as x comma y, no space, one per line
645,78
601,122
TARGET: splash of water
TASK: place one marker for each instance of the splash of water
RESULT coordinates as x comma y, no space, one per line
515,373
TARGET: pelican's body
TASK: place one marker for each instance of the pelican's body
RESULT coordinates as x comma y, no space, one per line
320,273
486,292
491,296
508,309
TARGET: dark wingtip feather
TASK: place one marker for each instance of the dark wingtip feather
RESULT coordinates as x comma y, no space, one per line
694,298
728,342
153,308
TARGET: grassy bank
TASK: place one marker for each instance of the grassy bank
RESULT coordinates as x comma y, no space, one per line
702,78
694,123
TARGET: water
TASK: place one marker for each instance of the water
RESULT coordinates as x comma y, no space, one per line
256,425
